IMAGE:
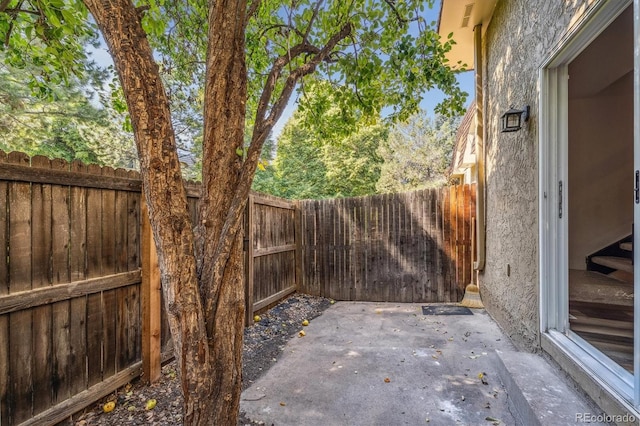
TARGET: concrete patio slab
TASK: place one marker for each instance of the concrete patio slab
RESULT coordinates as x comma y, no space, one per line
386,364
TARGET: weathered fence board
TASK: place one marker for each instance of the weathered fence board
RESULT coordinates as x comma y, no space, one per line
4,290
152,308
78,305
20,332
410,247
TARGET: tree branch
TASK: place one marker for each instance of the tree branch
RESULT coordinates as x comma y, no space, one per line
261,131
262,125
253,8
312,19
4,5
141,10
281,26
14,11
232,221
391,4
275,74
8,36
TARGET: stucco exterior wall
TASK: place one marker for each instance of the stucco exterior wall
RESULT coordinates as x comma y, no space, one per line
517,41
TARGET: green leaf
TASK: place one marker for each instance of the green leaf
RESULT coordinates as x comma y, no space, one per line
54,20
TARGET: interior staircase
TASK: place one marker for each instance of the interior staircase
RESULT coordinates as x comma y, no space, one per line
601,301
615,260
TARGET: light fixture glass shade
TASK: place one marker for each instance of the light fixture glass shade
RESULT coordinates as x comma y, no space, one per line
511,121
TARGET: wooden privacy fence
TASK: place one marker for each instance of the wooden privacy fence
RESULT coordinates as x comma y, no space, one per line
80,300
409,247
81,312
69,283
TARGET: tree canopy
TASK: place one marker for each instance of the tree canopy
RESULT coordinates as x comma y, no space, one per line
309,163
67,123
380,158
239,62
417,153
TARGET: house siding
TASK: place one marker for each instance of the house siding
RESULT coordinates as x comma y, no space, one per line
517,41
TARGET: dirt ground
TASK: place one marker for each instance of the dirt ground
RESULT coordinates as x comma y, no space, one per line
263,344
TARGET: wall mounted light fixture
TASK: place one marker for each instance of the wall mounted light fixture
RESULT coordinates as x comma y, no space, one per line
512,120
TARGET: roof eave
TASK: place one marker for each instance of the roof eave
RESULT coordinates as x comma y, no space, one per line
452,19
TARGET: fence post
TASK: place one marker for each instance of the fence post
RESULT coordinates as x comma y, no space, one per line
151,302
248,245
298,240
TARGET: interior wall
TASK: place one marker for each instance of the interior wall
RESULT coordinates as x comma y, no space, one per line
600,187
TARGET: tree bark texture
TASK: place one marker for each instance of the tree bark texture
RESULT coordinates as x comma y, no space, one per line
208,397
223,200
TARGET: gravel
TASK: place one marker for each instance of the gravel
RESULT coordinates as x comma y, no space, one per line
264,342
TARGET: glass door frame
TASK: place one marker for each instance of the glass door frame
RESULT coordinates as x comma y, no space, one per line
553,205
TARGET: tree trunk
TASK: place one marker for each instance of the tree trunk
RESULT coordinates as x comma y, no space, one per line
208,347
222,202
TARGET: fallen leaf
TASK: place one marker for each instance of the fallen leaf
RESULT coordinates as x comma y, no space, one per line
256,318
305,323
301,333
283,404
109,406
387,380
483,379
150,405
